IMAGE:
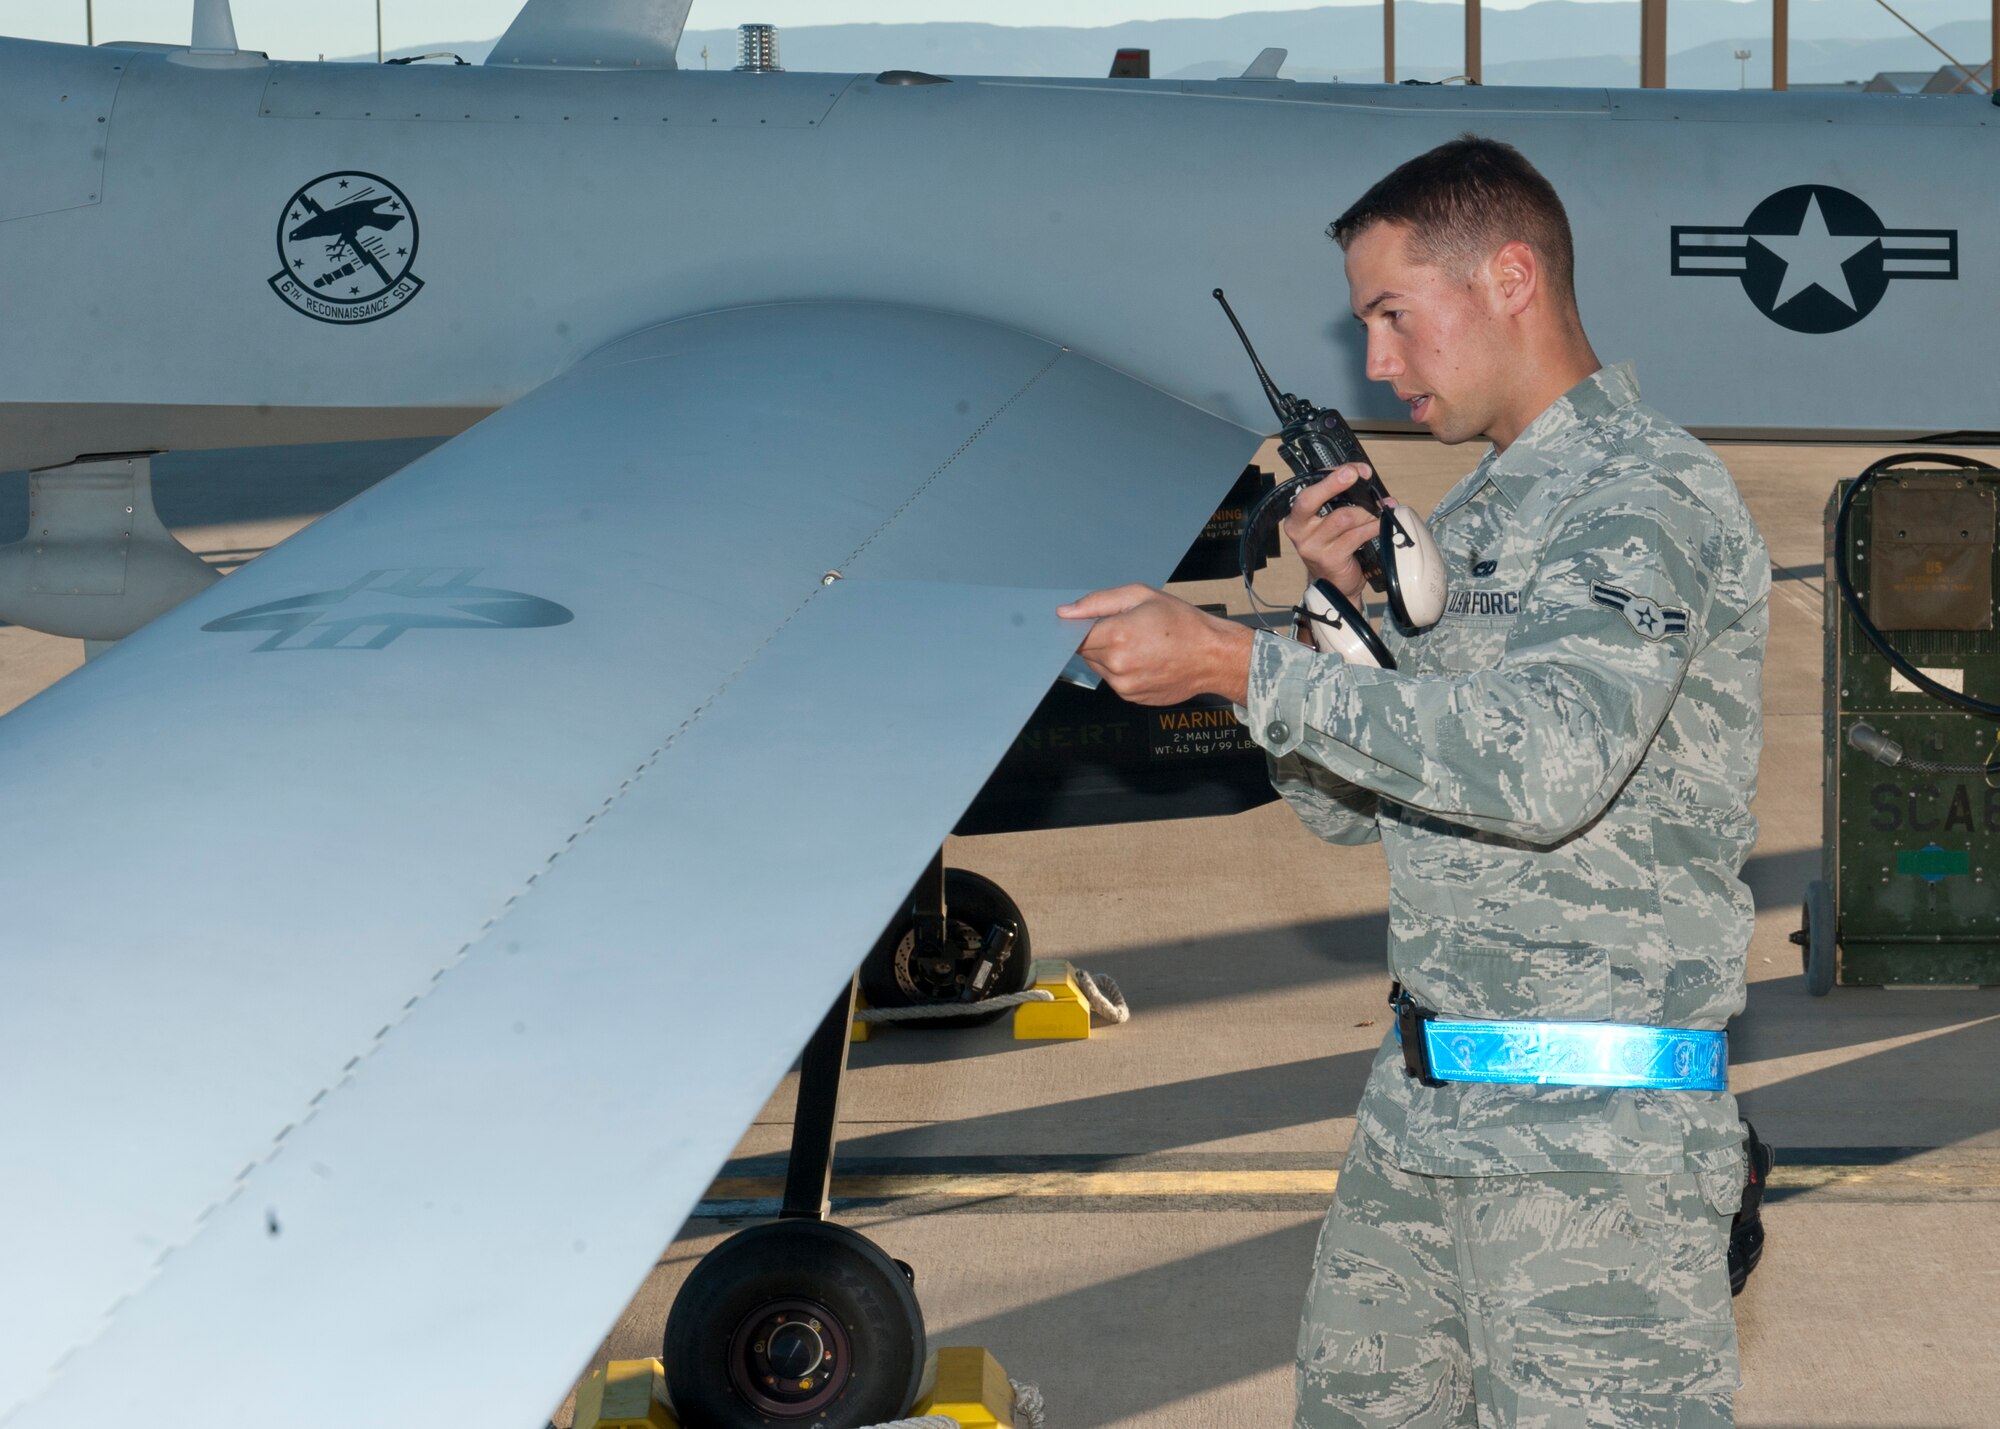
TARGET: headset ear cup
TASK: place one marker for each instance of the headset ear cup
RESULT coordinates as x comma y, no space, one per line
1412,569
1340,629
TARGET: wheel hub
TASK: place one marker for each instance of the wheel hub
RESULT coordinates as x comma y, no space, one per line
795,1350
934,969
790,1359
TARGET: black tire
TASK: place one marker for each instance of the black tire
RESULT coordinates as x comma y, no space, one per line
895,974
1816,941
831,1294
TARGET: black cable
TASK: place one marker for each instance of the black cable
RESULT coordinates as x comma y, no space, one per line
1253,538
1884,750
1861,621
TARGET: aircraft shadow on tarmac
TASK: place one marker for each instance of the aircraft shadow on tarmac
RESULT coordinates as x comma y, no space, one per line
1927,1089
1158,979
1241,965
1147,1120
1188,972
1226,1290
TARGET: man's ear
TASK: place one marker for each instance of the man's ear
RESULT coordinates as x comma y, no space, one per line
1515,275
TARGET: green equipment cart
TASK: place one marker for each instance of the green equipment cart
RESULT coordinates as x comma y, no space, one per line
1909,890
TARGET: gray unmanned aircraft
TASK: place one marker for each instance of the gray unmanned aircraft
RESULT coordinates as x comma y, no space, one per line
399,933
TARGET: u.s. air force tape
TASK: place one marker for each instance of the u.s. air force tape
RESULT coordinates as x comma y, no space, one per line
1645,615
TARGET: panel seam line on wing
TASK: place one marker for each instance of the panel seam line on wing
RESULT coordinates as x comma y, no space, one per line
353,1063
945,465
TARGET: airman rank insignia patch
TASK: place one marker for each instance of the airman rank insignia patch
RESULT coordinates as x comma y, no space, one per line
1647,616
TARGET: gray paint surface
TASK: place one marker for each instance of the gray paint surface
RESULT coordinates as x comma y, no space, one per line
558,210
380,902
587,34
318,856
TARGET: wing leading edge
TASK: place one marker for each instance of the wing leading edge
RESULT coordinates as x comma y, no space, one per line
403,931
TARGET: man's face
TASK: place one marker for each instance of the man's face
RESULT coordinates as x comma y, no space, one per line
1431,337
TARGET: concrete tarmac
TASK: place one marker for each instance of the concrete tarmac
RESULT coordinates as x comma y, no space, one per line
1128,1221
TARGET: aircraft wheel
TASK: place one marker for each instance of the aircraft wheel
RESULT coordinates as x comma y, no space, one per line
795,1322
1816,940
909,967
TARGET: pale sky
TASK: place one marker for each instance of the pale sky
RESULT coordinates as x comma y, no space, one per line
290,29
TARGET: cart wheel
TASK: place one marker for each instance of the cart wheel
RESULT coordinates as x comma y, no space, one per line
794,1322
1816,939
910,968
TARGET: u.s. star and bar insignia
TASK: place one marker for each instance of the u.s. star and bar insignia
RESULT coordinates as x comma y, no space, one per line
1814,258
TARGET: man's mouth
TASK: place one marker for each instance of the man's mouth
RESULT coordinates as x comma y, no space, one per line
1419,405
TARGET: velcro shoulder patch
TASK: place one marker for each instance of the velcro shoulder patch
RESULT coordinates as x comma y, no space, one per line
1645,615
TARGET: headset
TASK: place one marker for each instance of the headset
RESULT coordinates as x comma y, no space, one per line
1401,560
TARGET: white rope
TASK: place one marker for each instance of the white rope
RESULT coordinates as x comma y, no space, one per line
1028,1413
1028,1409
952,1009
1100,991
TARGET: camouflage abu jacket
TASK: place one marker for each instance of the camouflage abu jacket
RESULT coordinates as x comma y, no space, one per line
1560,772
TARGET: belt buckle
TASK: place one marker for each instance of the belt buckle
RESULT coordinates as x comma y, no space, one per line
1411,1016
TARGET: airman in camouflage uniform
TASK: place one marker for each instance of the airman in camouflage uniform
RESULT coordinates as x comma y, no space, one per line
1560,774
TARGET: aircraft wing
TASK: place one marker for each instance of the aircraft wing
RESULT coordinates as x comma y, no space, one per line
398,935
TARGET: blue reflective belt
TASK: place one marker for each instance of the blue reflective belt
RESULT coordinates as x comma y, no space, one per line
1564,1054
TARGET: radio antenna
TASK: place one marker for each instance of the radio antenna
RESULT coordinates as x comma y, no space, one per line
1281,403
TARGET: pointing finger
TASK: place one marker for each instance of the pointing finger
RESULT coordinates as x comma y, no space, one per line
1100,603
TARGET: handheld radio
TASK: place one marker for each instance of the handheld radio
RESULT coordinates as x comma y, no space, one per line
1400,560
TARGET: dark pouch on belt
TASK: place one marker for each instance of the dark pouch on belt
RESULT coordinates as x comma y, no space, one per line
1746,1231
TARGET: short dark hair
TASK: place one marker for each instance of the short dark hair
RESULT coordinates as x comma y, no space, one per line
1461,201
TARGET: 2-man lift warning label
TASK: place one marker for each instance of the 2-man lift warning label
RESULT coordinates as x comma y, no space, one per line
1198,732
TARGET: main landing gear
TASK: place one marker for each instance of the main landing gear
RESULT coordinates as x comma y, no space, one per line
803,1322
798,1322
958,939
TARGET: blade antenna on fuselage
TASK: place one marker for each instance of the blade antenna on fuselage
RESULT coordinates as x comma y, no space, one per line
214,30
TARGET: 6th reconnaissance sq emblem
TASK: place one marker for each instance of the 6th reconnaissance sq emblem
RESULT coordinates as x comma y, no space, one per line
345,244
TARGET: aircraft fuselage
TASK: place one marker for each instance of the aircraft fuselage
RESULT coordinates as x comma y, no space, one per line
161,292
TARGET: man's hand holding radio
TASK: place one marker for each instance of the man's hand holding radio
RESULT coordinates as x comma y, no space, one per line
1156,649
1327,543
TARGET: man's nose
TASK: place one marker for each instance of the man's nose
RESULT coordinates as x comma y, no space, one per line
1383,363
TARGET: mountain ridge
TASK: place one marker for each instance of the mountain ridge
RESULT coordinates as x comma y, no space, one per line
1549,42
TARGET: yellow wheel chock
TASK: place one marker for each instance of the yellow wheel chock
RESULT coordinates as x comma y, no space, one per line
967,1383
964,1381
625,1394
1066,1019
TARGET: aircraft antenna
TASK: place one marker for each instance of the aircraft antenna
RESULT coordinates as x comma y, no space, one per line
214,28
1283,403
